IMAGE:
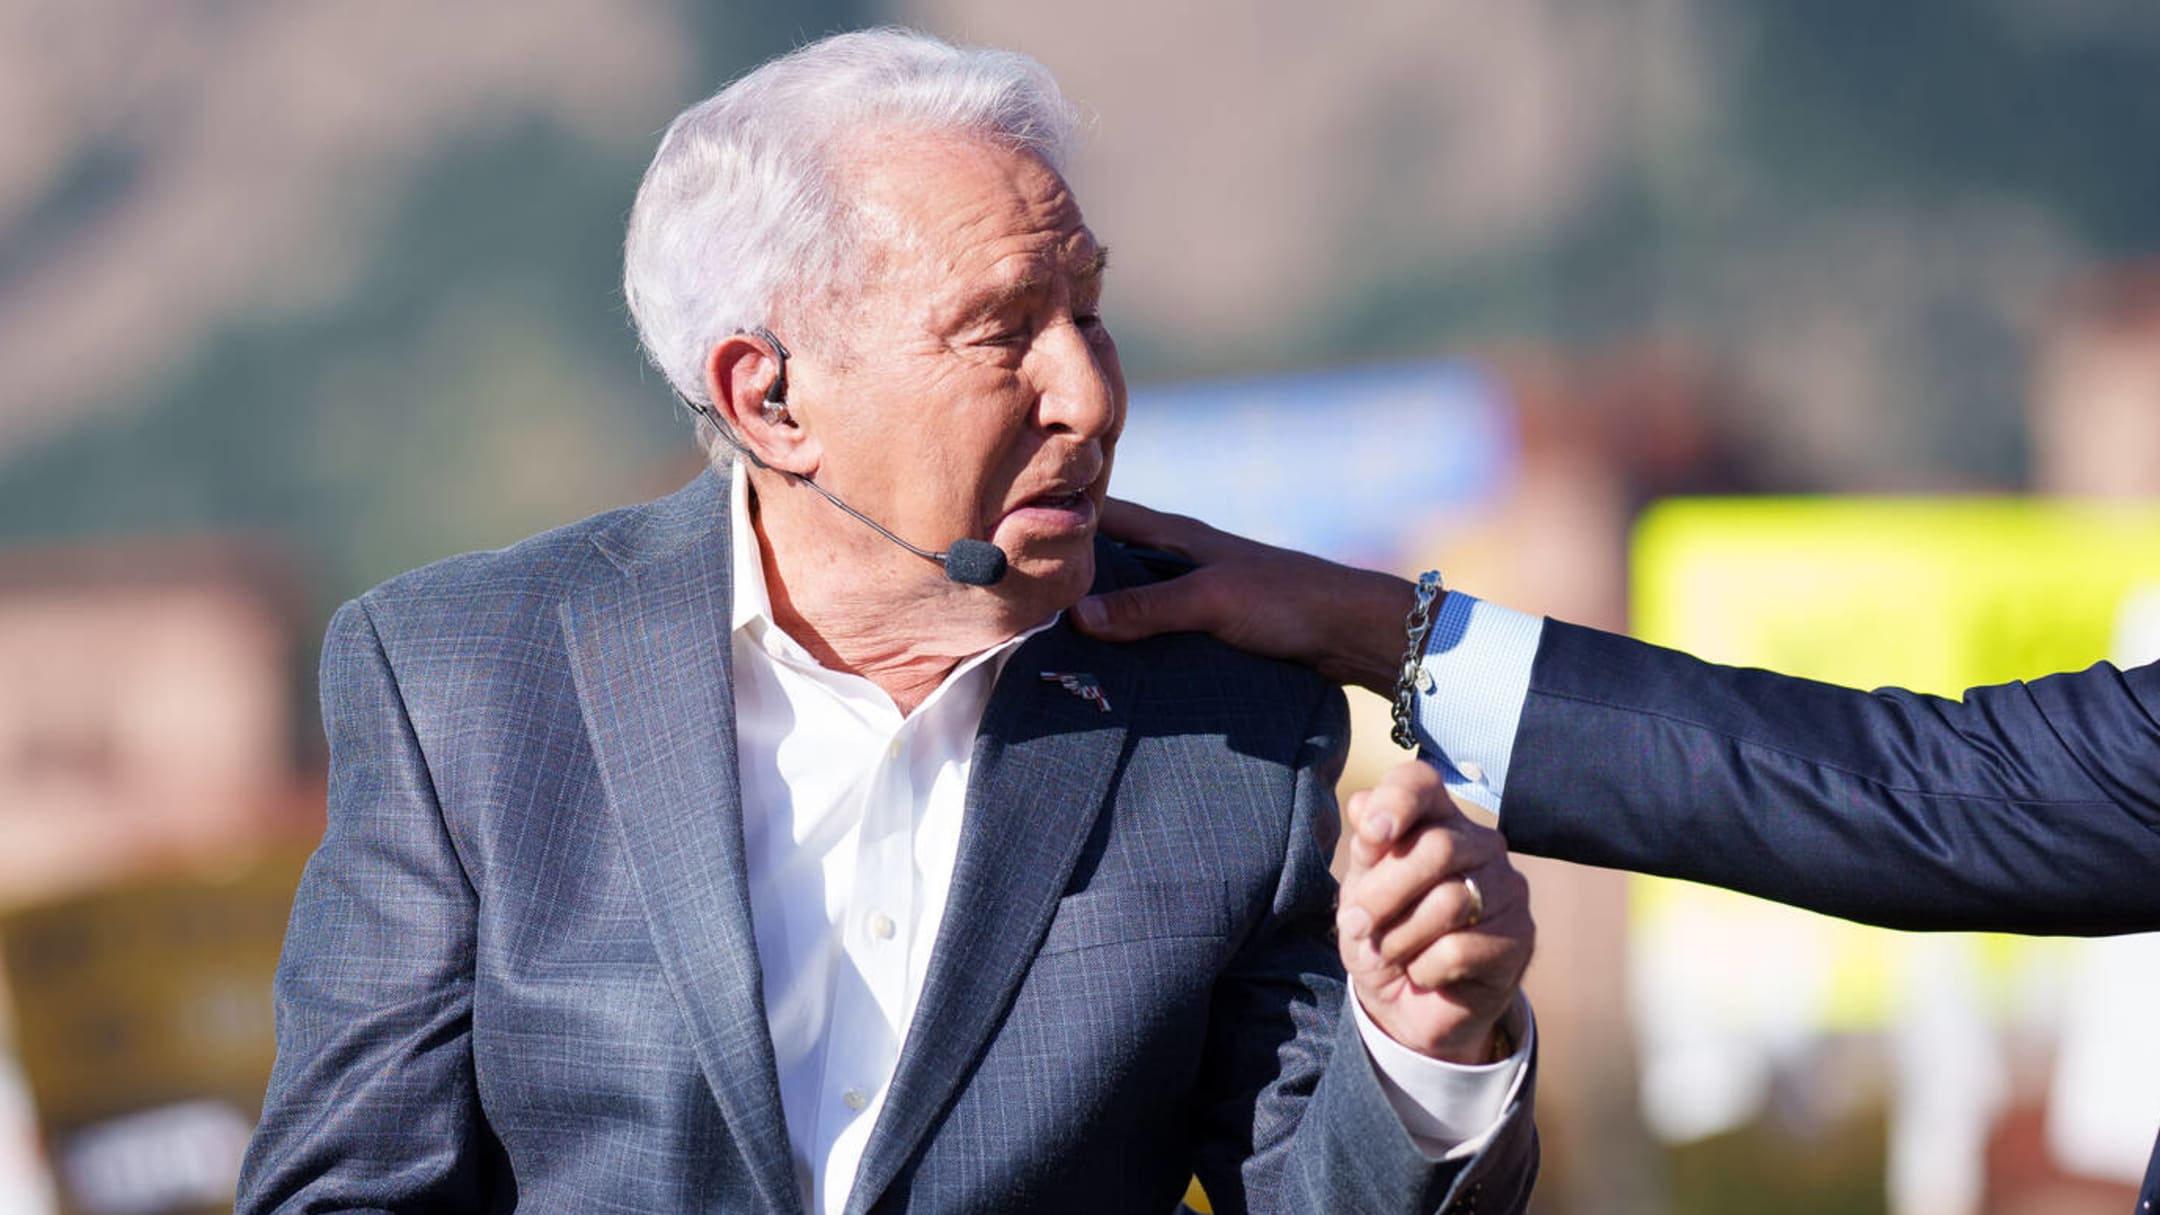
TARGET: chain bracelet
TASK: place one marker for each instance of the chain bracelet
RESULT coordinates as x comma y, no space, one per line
1419,626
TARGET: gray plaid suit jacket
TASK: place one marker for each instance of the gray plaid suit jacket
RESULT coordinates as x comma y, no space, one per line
520,971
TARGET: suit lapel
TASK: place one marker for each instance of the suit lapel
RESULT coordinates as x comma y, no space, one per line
1043,765
649,649
2149,1194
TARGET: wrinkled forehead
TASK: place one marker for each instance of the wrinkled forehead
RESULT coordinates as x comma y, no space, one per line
963,204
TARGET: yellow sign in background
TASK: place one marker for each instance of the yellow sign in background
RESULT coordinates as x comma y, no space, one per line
142,1018
1936,595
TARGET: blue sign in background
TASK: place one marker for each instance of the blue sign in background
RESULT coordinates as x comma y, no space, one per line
1342,463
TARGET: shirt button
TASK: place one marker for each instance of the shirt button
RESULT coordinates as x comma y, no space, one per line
881,926
854,1099
1424,681
1471,771
893,751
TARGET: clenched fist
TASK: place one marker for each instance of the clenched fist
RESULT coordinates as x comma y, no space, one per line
1434,923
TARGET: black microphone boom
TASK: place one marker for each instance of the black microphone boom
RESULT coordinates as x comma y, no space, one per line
969,562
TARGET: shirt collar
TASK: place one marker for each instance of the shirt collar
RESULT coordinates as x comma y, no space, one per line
753,605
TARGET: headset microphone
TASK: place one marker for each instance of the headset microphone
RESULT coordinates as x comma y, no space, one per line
974,562
969,562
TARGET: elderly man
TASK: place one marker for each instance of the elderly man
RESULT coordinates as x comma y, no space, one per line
721,854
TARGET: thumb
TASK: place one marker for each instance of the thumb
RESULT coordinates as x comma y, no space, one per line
1143,611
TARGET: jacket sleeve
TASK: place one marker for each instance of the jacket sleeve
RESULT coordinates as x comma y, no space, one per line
1317,1133
2026,807
371,1105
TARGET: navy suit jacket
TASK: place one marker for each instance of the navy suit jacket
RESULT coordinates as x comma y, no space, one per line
521,971
2029,807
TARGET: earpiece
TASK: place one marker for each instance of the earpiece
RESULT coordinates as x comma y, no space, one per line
776,392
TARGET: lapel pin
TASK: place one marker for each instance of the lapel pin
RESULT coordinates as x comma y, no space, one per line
1080,684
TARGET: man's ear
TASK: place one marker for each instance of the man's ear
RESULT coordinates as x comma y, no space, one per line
740,375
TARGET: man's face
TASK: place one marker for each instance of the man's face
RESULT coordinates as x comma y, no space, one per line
969,388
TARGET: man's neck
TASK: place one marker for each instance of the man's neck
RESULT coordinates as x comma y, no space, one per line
866,609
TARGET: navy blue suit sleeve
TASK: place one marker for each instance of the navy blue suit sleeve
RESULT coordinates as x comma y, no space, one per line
2026,807
371,1106
1319,1134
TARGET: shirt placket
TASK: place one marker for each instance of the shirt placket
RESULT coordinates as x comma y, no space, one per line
870,990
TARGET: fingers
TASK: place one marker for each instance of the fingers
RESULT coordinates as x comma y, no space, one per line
1434,965
1417,884
1445,907
1137,524
1408,794
1488,961
1178,606
1403,894
1426,940
1193,603
1433,978
1343,622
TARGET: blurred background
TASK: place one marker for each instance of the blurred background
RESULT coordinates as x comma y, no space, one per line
1823,335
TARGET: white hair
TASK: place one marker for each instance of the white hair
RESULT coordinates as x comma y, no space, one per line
740,214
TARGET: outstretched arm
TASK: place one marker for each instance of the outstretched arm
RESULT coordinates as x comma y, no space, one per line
2027,807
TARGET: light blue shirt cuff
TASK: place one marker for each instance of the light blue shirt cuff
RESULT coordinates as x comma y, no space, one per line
1472,683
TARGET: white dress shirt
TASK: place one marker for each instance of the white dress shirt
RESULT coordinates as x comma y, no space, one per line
851,819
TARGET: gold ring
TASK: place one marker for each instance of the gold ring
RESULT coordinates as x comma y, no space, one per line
1477,900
